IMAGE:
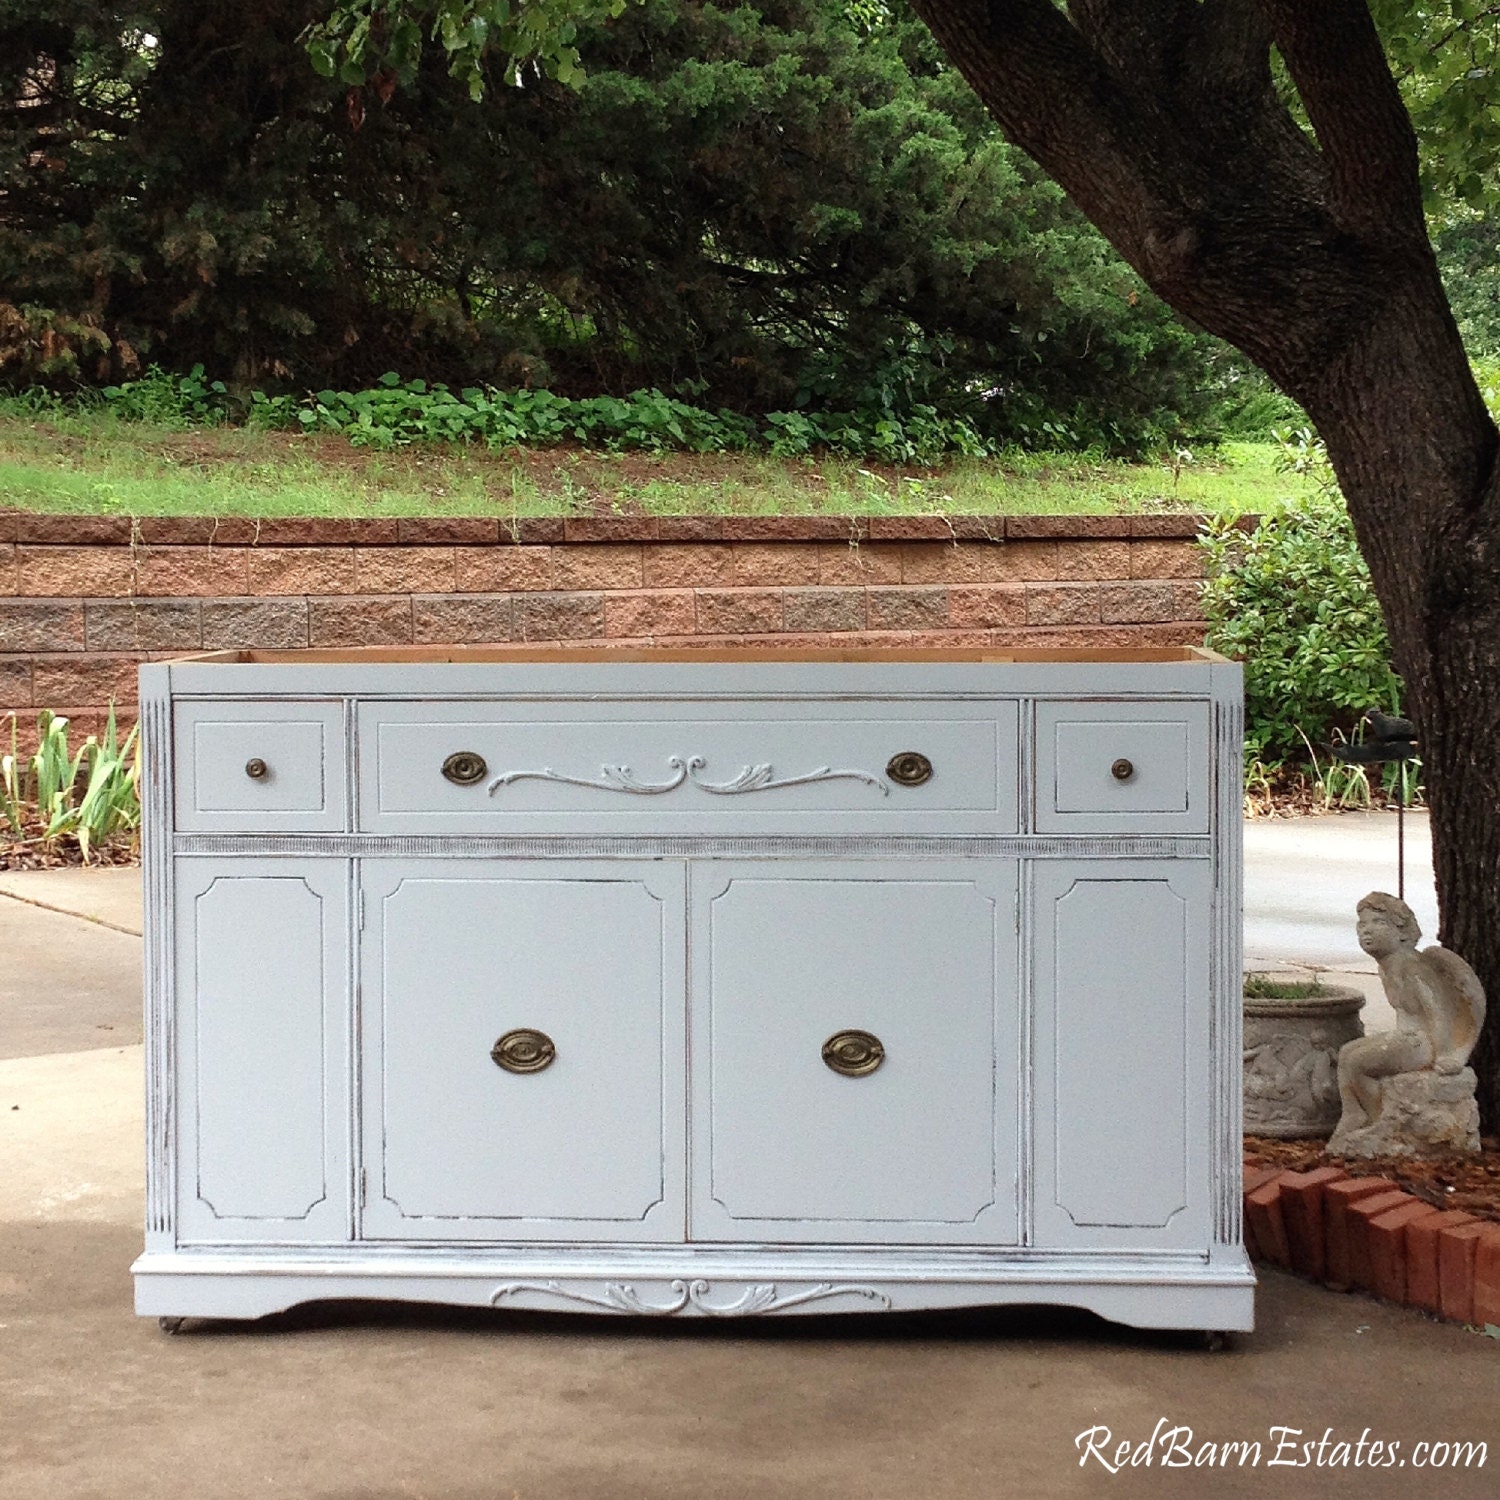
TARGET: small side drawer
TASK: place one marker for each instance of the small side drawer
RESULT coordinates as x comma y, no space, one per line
254,766
1121,767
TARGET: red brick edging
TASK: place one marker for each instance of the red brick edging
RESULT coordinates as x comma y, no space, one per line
1367,1234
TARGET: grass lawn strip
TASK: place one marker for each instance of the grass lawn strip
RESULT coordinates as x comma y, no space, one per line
95,464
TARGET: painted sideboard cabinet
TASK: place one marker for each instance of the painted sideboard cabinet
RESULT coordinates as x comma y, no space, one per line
660,983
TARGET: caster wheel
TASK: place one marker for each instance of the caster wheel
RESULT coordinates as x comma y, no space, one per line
1215,1341
170,1325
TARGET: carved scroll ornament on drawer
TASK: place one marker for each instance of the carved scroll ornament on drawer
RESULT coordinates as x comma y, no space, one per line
685,771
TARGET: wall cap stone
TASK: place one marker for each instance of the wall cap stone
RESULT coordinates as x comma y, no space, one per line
45,529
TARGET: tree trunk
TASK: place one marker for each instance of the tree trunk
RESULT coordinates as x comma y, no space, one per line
1309,253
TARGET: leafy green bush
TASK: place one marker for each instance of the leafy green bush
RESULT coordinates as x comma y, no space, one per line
190,400
1292,599
397,412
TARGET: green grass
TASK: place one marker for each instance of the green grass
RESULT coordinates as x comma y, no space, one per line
93,463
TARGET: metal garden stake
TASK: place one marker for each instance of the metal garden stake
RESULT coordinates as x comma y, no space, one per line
1387,739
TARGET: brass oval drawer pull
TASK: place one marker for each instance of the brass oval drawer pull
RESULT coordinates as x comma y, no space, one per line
524,1051
909,768
257,769
464,767
1122,770
853,1053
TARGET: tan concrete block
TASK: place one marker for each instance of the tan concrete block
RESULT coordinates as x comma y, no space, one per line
1187,601
1097,637
597,566
85,680
919,529
824,609
75,572
843,566
300,570
1081,562
1075,527
1173,633
739,611
278,624
690,528
978,562
775,564
559,617
950,640
64,531
500,570
142,624
650,612
327,531
611,529
907,609
462,619
41,625
791,528
1179,524
1166,560
434,529
404,570
1063,604
360,621
987,604
204,571
15,685
680,565
10,575
1137,603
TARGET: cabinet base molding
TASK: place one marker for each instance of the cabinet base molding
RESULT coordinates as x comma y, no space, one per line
1165,1291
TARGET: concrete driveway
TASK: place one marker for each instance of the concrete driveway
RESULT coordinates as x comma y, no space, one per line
362,1402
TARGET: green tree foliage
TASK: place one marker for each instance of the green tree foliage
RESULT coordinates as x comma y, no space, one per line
791,206
360,38
1446,55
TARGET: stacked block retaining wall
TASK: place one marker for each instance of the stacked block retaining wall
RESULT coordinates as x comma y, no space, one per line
84,599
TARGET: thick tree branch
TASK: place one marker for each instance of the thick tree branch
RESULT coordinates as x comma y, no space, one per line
1137,39
1334,55
1226,78
1113,151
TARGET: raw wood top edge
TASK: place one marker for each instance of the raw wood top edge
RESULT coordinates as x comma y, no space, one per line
557,655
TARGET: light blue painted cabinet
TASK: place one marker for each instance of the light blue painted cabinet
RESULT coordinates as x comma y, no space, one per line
654,983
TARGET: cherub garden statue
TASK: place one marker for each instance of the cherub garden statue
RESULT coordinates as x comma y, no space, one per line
1409,1091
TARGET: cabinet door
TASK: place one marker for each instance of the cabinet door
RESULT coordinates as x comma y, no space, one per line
262,1051
919,955
465,1138
1122,1075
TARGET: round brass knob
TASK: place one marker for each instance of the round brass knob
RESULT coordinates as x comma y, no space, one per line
909,768
257,769
1122,770
853,1053
524,1051
464,767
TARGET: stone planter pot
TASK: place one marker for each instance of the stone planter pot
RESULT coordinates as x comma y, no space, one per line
1292,1056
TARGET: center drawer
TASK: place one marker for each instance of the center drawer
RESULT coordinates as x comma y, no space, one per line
705,767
